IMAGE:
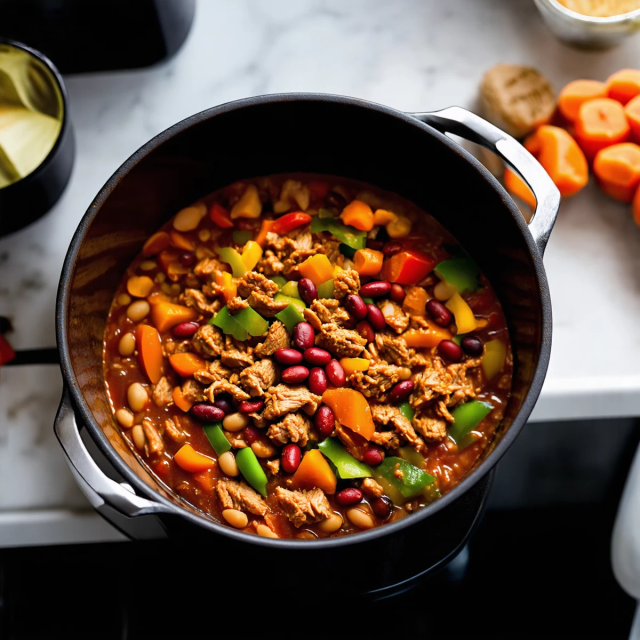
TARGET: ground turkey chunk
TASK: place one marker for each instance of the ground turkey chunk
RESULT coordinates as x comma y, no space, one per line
237,304
294,428
277,338
197,300
326,310
208,341
394,316
387,439
238,495
206,267
394,349
385,414
224,386
432,427
154,439
215,371
163,392
172,429
259,291
342,343
270,264
192,391
236,355
372,488
346,282
376,381
257,378
304,507
287,399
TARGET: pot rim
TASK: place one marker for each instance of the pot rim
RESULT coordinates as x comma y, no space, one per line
81,407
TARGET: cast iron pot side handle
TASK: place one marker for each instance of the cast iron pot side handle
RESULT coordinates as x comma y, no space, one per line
468,125
101,490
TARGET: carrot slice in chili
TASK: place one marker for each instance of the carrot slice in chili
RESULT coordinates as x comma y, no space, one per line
576,93
189,459
600,123
351,409
358,214
624,85
617,169
368,262
180,401
150,351
167,314
180,241
186,364
314,471
155,244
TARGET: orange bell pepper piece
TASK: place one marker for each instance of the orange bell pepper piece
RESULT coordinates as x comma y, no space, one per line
368,262
186,364
189,459
358,214
229,287
351,365
407,267
155,244
220,216
516,186
415,301
314,471
167,314
317,268
267,226
600,123
180,401
576,93
617,169
426,338
149,348
624,85
351,409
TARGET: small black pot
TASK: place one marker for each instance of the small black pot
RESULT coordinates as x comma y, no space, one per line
356,139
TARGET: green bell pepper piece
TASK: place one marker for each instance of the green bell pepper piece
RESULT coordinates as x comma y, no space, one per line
217,439
291,289
407,411
251,470
350,236
242,237
325,290
457,339
299,304
346,465
466,418
368,300
325,213
460,273
279,280
290,317
411,481
346,250
252,321
233,259
225,321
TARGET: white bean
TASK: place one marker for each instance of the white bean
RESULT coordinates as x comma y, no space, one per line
235,518
124,298
265,532
235,421
124,418
148,265
360,518
138,436
138,310
331,524
137,396
127,345
189,218
263,449
228,464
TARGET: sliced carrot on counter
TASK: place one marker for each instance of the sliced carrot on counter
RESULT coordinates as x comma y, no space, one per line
426,338
186,364
155,244
149,348
600,123
358,214
167,314
516,186
624,85
314,471
368,262
632,111
220,216
180,401
576,93
189,459
139,286
351,409
180,241
617,169
636,207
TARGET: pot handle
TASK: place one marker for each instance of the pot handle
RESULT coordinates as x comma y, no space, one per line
103,492
468,125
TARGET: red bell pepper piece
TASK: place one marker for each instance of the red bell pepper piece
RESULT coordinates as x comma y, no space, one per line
220,216
407,267
7,354
290,222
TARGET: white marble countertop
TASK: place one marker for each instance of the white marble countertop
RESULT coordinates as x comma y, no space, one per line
414,55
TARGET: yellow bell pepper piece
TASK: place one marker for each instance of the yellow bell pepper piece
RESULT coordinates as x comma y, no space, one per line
337,270
399,228
351,365
317,268
465,320
249,205
251,254
382,216
495,353
229,288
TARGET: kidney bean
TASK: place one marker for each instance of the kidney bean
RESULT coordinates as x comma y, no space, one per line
440,314
381,507
224,405
335,200
303,336
185,329
288,357
348,496
376,245
290,458
318,356
401,391
325,421
355,306
397,293
335,373
295,375
450,351
375,317
251,406
251,434
317,381
391,248
472,345
187,259
373,455
207,413
307,290
375,289
366,331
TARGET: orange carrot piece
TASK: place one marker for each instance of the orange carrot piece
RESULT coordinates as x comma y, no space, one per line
576,93
167,314
155,244
426,338
600,123
516,186
139,286
617,169
168,257
186,364
632,111
368,262
314,471
351,409
358,214
180,241
149,348
624,85
220,216
229,287
636,207
189,459
180,401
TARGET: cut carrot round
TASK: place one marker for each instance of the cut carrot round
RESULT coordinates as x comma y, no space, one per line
180,401
624,85
186,364
600,123
368,262
617,169
576,93
150,351
155,244
516,186
167,314
632,111
189,459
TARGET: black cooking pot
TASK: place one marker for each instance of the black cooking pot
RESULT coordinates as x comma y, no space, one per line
403,153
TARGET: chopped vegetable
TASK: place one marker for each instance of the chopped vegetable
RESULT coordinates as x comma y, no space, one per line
314,471
317,268
467,417
624,85
217,438
632,111
460,273
351,365
251,254
279,280
290,317
251,470
225,321
415,301
186,364
249,205
407,411
252,322
347,251
155,244
412,456
465,320
369,300
495,353
139,286
220,216
189,459
291,289
399,228
289,222
325,221
600,123
149,348
326,289
351,409
233,259
358,214
516,186
166,315
266,227
180,401
405,477
296,302
576,93
346,465
368,262
229,287
383,217
426,338
617,169
242,237
180,241
407,267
